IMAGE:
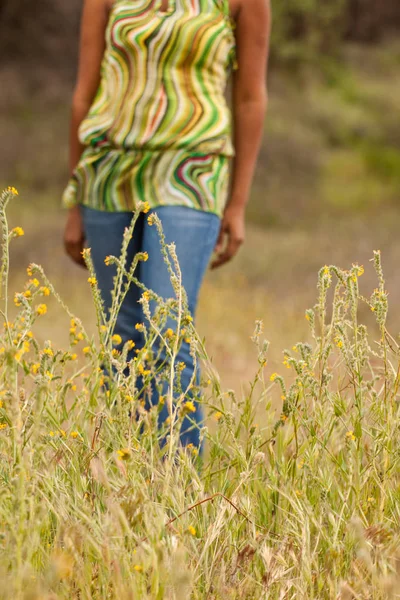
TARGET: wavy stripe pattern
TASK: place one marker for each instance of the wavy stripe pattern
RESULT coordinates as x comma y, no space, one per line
159,129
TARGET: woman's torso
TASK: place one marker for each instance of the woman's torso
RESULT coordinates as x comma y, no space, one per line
163,78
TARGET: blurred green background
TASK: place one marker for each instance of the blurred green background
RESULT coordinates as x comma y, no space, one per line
327,184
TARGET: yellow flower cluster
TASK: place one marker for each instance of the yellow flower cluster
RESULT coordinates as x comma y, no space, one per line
17,232
41,309
189,407
124,454
12,190
116,339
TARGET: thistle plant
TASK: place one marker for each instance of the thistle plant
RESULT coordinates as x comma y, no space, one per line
297,495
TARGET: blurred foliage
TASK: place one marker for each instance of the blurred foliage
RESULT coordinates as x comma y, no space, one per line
44,33
309,31
304,28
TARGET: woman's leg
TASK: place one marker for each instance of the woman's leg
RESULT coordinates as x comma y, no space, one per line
104,234
195,234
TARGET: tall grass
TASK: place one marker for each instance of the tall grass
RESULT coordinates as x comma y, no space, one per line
304,506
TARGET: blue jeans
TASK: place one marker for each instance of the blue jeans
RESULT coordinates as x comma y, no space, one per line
194,233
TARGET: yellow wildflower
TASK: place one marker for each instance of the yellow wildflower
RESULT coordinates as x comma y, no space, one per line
169,333
12,190
115,352
181,366
146,295
191,530
92,280
74,434
143,256
103,328
218,416
116,339
188,319
28,294
41,309
130,344
273,376
150,220
19,355
3,426
107,260
145,207
35,368
123,454
359,269
80,336
48,352
18,232
49,375
138,568
143,371
34,282
86,350
139,326
45,290
350,435
161,400
189,407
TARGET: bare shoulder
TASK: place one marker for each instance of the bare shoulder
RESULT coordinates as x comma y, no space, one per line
109,4
258,8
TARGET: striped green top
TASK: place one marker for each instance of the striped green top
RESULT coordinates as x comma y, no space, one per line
159,129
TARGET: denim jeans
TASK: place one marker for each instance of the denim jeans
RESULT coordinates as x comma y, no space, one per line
194,233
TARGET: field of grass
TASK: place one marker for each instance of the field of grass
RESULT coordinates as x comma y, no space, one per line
326,191
302,503
298,495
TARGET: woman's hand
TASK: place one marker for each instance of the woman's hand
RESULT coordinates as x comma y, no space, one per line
231,235
74,237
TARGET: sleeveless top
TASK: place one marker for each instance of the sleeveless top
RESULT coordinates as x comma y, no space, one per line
159,129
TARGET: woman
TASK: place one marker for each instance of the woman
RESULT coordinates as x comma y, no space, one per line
150,123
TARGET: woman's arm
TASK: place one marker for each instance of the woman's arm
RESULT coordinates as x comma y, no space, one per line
253,25
94,23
